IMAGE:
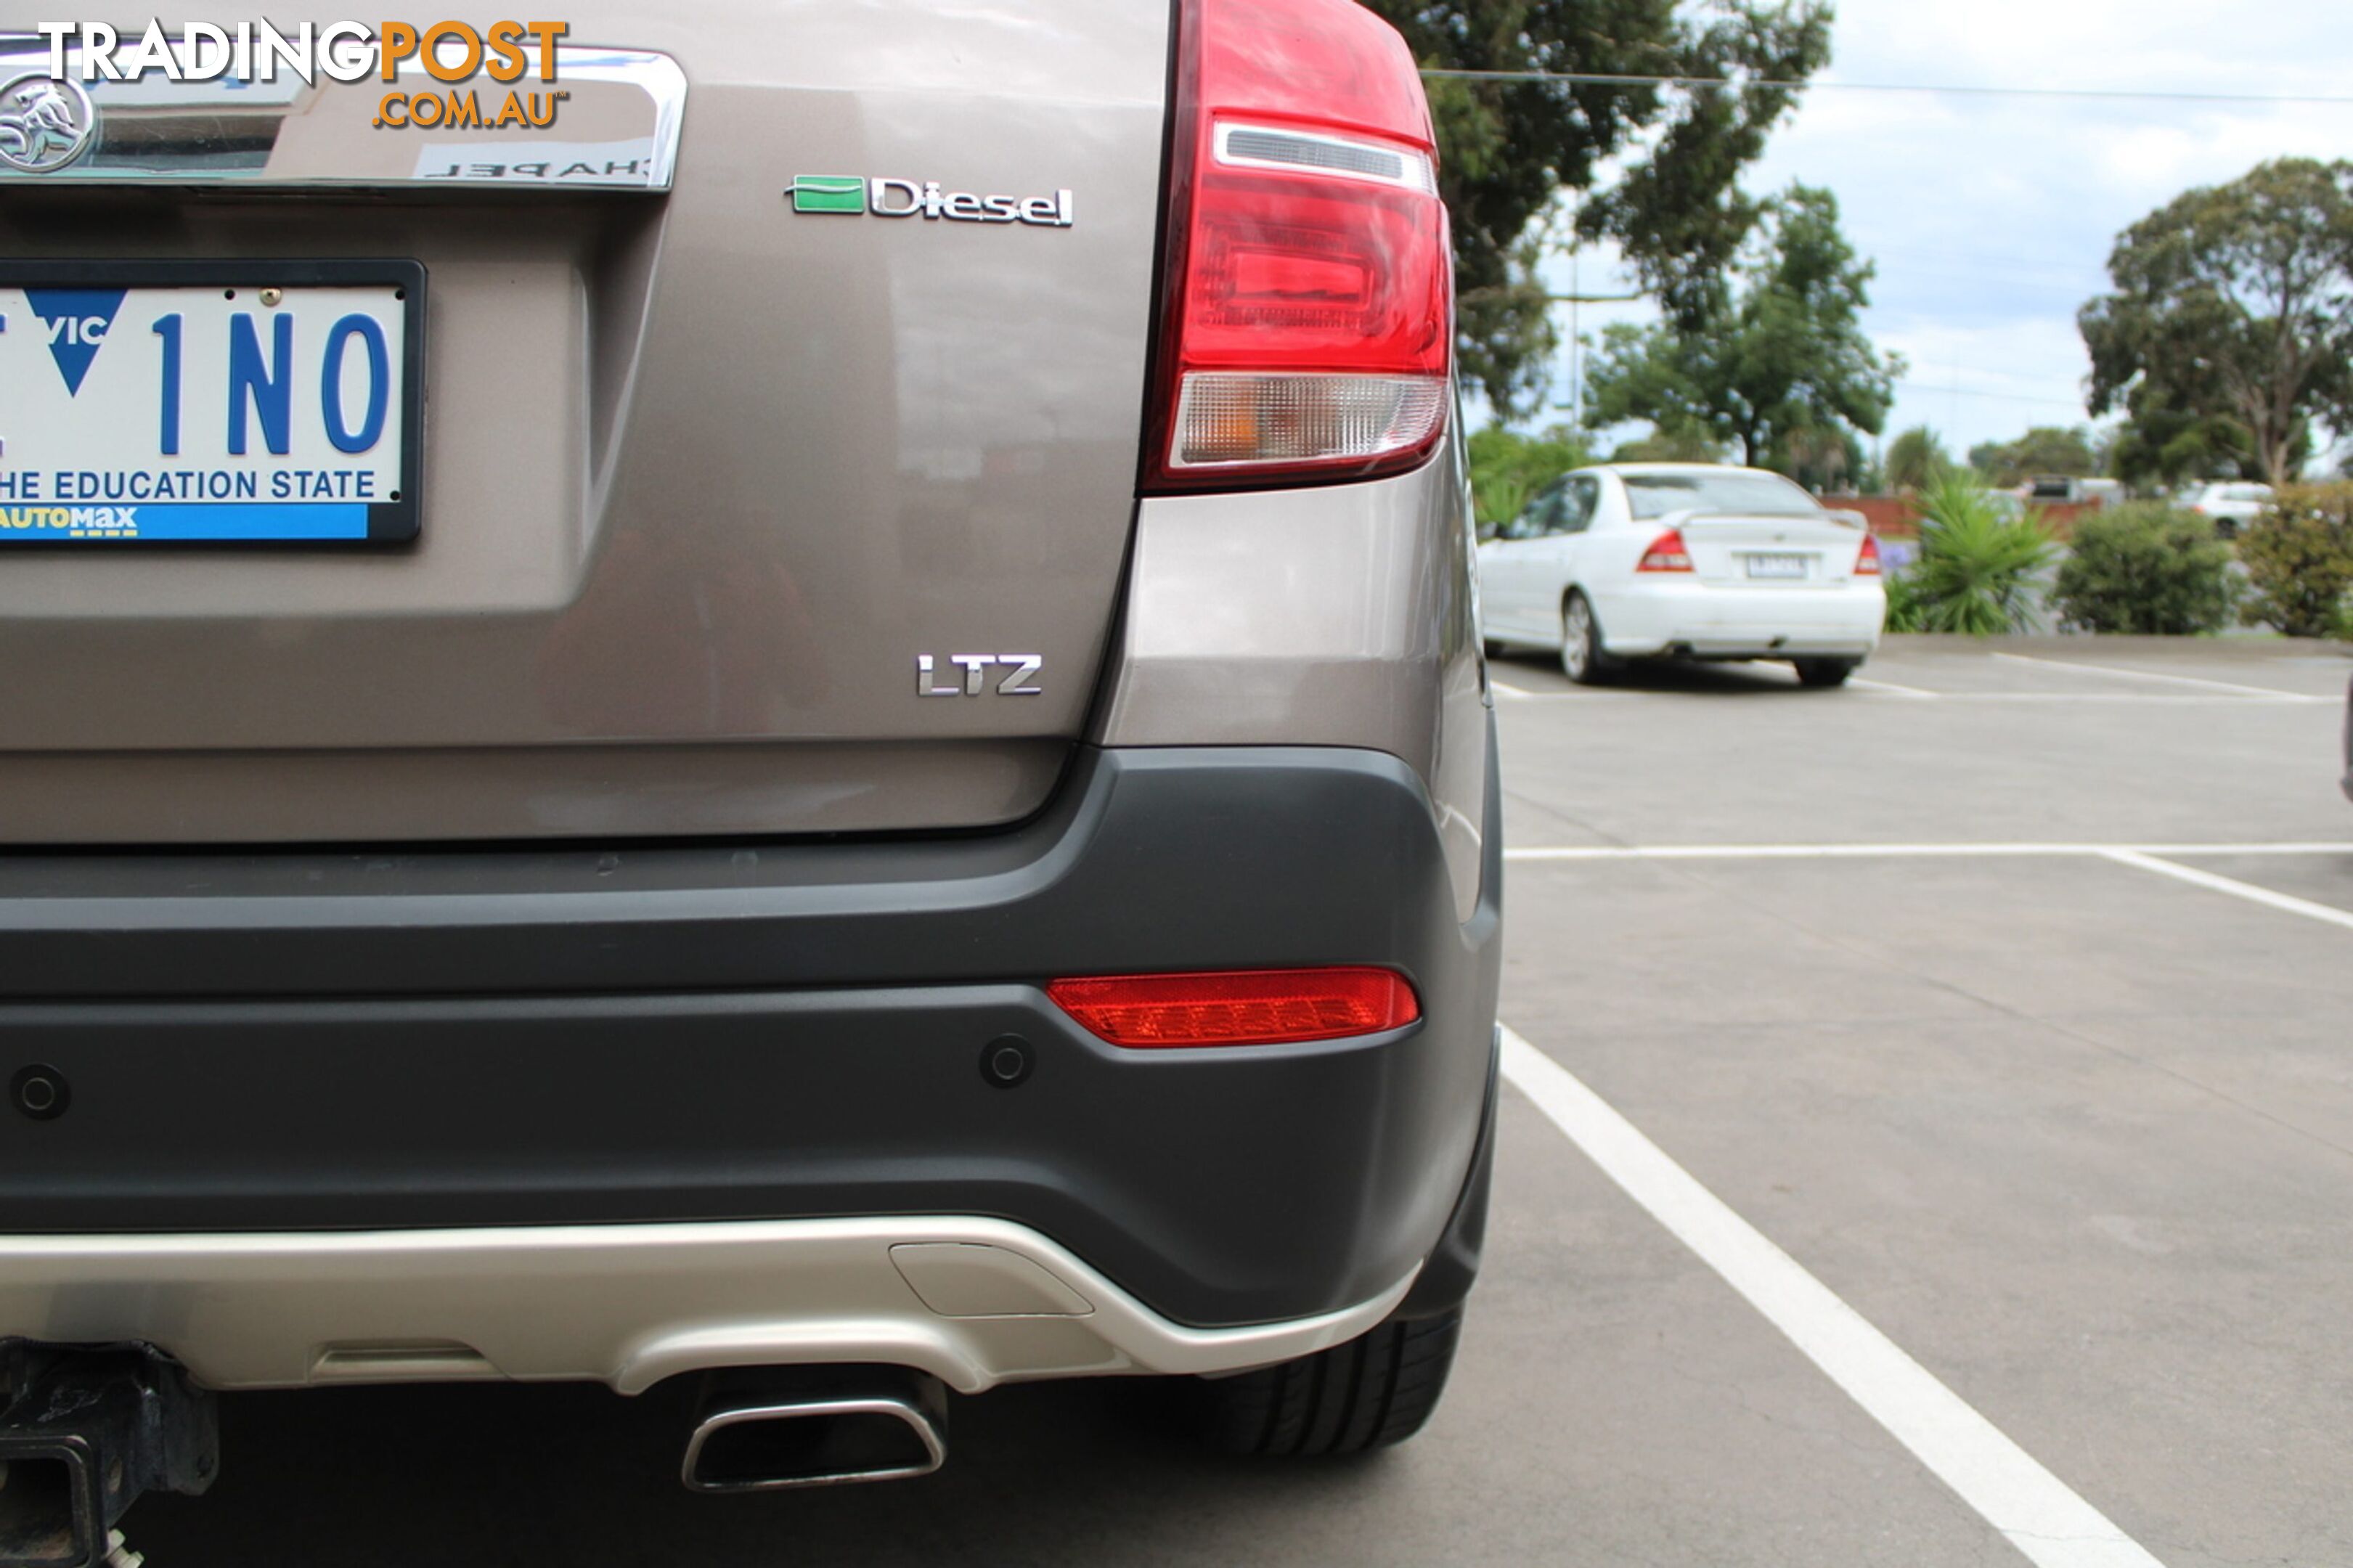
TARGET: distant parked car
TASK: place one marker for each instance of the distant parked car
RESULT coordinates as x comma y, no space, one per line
2230,506
1684,559
2070,490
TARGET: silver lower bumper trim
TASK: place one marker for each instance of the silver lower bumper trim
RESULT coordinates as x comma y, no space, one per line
974,1303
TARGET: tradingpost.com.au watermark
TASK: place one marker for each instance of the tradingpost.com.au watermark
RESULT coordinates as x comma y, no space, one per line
513,55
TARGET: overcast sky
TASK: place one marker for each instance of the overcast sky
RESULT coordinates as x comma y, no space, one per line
1991,217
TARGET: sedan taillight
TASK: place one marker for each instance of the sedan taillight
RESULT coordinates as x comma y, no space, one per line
1866,564
1667,554
1307,327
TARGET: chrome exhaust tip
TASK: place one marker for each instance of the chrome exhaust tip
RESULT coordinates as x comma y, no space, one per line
816,1427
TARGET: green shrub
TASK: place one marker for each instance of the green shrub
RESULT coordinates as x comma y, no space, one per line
1508,469
2145,567
1903,604
2299,560
1978,563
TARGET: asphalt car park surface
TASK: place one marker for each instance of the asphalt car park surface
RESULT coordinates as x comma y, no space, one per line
2002,997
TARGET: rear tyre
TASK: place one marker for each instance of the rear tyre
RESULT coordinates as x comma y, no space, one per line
1825,671
1366,1395
1582,658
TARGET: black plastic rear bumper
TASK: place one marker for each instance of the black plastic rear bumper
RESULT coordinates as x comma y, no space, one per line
334,1041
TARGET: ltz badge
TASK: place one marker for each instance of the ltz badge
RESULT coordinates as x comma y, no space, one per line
1024,669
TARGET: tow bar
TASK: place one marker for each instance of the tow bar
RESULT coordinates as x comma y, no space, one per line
84,1431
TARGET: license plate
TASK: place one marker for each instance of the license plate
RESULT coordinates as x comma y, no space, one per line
1779,567
204,402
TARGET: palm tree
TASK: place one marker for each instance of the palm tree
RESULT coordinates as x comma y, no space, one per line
1977,565
1916,459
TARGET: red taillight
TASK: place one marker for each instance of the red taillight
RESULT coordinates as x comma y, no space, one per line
1666,554
1307,328
1246,1007
1867,564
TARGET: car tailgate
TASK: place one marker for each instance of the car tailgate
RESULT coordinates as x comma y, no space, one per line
705,479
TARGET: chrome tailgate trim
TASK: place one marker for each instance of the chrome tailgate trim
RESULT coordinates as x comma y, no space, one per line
617,130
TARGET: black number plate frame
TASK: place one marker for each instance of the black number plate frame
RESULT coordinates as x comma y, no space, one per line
389,522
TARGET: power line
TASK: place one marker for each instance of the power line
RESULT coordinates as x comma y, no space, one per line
1926,390
1602,79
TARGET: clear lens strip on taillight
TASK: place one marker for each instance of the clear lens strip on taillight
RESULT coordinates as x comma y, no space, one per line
1244,146
1248,419
1308,328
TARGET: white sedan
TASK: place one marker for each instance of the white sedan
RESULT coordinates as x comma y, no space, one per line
1682,560
2231,507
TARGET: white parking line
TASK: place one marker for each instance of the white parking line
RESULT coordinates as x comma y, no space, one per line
2036,1512
1861,684
1511,693
1901,851
2122,673
2146,861
1888,688
2160,699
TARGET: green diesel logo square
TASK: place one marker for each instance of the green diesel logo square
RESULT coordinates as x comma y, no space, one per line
828,194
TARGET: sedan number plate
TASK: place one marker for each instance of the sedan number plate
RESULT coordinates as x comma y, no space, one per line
234,403
1779,568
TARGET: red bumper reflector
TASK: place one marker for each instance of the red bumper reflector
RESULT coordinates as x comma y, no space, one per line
1255,1008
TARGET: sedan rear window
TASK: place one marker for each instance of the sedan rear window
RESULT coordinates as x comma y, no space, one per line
1728,490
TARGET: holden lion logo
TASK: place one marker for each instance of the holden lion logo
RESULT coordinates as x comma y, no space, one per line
43,123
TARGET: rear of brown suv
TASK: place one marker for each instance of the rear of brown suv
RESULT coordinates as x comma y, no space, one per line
820,728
